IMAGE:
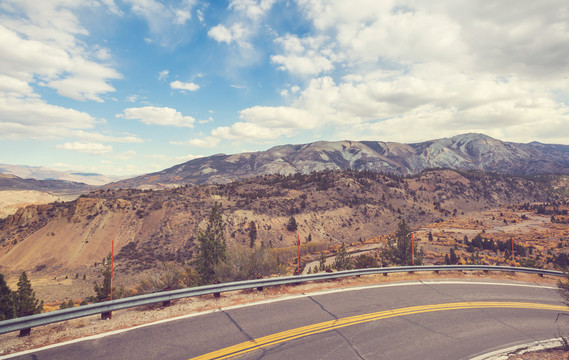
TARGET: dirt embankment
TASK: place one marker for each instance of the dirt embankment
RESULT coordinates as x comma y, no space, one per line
12,200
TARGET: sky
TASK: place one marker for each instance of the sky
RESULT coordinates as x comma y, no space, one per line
126,87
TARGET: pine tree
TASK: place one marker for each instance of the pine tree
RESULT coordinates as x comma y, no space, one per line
26,302
399,249
453,258
252,234
211,246
7,305
322,262
103,291
343,261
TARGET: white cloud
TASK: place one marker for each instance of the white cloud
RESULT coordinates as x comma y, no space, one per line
412,69
206,142
173,160
189,86
241,27
209,120
127,155
238,33
49,51
165,22
132,98
92,136
163,75
89,148
304,56
152,115
203,142
253,9
221,34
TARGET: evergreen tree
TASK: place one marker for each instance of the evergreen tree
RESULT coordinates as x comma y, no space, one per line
322,262
103,291
453,258
7,305
25,298
211,246
252,234
292,225
399,249
343,261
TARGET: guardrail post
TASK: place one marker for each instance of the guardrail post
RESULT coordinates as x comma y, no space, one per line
216,295
385,274
260,288
436,271
106,315
25,332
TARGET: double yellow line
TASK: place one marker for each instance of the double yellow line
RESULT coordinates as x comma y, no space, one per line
292,334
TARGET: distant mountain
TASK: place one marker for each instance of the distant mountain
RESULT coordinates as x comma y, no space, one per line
44,173
461,152
59,187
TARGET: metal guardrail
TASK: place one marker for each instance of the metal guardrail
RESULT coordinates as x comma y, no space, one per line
28,322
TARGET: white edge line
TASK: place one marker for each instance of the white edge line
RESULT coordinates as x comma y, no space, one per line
284,298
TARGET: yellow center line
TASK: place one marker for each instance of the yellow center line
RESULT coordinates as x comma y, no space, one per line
292,334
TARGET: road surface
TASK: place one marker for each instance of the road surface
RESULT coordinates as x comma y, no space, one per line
414,320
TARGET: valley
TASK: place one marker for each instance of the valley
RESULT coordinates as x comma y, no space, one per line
62,245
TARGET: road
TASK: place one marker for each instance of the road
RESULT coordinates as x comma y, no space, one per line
426,320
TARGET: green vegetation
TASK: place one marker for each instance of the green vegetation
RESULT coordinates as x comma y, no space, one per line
21,302
67,305
244,263
170,277
451,258
343,260
365,261
7,304
103,291
252,234
25,298
399,249
292,225
211,247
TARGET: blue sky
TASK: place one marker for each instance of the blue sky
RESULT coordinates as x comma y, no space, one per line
125,87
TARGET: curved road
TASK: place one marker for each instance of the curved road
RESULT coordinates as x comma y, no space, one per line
426,320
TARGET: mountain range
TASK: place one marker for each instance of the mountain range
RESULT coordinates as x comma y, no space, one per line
45,173
469,152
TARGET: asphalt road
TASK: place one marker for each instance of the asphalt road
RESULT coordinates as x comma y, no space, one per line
418,320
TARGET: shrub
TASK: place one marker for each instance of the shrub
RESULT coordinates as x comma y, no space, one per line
245,263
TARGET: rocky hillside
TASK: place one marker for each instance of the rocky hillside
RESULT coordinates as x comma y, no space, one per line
461,152
150,226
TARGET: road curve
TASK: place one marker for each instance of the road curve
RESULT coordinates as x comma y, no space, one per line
425,319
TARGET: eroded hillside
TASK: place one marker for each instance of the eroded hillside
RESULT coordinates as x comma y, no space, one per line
153,226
